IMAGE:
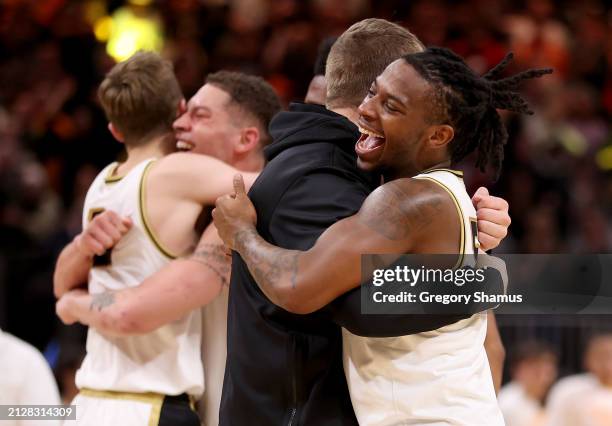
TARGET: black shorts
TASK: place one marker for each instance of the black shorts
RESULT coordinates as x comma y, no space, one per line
178,411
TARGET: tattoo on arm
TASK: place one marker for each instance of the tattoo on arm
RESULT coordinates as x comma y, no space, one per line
396,214
214,257
270,266
102,300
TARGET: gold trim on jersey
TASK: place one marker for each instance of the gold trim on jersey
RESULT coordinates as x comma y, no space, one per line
143,215
93,212
110,178
155,399
476,240
457,173
459,211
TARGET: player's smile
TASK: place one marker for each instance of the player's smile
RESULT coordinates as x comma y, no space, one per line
370,145
392,122
183,145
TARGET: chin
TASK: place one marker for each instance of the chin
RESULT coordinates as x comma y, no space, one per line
366,165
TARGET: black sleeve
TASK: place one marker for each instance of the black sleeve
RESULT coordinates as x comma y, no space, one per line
346,312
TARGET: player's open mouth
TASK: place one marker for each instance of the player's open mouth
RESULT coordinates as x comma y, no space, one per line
369,145
184,145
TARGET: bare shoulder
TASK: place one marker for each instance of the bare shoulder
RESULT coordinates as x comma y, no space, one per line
186,163
406,207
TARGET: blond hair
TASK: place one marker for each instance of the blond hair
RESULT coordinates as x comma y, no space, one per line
360,54
140,96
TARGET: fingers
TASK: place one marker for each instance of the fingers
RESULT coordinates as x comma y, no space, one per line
479,194
88,244
497,217
492,229
110,232
112,219
104,231
487,242
239,185
491,202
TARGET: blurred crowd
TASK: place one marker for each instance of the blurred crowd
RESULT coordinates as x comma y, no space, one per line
533,398
53,136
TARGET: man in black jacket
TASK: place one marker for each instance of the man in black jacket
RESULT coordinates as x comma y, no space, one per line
282,368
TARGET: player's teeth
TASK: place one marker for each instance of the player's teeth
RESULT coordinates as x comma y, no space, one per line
183,145
368,132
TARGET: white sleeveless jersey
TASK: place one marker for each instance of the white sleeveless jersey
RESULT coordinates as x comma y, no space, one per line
441,377
165,361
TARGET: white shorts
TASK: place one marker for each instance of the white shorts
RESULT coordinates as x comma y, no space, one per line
105,408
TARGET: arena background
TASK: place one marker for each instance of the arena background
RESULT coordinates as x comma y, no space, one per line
53,139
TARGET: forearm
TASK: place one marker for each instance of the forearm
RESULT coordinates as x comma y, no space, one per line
273,268
167,296
71,270
100,311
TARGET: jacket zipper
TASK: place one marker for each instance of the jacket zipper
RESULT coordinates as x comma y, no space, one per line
293,410
293,379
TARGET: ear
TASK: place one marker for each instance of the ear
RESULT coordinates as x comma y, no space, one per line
182,108
116,133
249,140
441,135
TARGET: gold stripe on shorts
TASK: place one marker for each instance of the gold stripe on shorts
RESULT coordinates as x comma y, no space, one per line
155,399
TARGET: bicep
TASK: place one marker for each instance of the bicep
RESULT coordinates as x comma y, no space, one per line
390,221
201,178
333,265
183,284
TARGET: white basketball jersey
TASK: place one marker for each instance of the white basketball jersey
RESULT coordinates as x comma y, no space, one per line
165,361
441,377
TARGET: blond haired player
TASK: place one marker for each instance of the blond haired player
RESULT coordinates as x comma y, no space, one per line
151,378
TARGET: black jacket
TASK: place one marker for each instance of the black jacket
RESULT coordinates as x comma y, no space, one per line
282,368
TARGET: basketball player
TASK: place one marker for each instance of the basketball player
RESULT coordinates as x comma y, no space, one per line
425,112
152,378
149,305
309,183
493,344
229,106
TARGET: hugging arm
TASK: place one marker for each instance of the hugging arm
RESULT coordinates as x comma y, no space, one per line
169,294
391,219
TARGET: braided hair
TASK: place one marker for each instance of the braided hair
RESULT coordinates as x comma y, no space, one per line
469,102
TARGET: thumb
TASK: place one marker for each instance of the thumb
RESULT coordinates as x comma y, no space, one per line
239,185
480,193
127,222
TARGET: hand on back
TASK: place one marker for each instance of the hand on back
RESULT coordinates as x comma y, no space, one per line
102,233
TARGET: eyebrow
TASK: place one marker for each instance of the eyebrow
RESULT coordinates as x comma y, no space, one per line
390,96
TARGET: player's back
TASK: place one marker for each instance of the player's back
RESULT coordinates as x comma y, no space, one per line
438,377
165,361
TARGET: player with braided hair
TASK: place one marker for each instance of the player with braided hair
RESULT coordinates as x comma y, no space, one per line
470,102
423,113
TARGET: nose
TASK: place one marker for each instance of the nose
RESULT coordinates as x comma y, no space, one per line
182,123
366,109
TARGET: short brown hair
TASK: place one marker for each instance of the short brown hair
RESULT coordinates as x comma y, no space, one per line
140,96
250,93
362,53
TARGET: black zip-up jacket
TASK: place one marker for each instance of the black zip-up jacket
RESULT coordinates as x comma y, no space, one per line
282,368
